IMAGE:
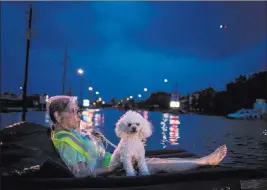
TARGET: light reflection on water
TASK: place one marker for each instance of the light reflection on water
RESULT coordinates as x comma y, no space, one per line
246,140
169,123
174,130
164,130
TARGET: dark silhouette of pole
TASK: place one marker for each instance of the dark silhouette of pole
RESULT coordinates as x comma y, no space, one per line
176,91
90,90
24,89
81,91
64,71
69,91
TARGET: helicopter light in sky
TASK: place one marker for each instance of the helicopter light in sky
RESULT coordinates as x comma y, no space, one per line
223,26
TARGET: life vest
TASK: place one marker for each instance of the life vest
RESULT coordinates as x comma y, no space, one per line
77,144
73,141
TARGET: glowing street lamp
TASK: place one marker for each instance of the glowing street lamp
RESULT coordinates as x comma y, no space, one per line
90,91
127,98
80,71
96,92
103,102
145,89
131,97
165,80
100,99
139,95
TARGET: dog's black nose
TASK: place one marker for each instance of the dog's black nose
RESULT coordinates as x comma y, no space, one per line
133,129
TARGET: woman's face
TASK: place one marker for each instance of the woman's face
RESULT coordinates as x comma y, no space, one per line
70,119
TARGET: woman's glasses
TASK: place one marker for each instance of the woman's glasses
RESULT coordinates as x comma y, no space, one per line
75,112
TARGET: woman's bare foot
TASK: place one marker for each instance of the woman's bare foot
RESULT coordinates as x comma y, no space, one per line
214,158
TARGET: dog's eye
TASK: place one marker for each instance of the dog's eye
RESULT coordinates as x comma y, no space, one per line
137,124
129,124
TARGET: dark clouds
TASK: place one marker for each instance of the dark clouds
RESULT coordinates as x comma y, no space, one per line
126,46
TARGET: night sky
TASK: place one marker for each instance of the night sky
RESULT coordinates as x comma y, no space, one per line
126,46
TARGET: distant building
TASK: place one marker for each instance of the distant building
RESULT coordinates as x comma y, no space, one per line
10,96
175,96
261,106
184,103
175,100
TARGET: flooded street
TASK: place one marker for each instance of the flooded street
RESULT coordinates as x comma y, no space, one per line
246,139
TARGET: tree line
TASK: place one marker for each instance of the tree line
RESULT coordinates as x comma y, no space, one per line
240,93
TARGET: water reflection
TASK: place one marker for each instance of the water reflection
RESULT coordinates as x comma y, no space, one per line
170,122
92,118
47,119
163,124
246,140
87,117
145,115
174,130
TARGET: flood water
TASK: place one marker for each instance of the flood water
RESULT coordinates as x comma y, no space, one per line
246,139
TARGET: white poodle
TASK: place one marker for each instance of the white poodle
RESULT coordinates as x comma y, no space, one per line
132,128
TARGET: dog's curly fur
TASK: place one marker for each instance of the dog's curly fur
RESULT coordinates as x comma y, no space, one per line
132,128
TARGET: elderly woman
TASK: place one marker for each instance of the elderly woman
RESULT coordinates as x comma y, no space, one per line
85,156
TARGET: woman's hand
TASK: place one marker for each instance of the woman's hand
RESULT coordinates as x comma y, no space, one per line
80,170
97,135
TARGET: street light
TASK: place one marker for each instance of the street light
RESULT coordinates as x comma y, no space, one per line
90,90
131,97
165,80
145,89
21,89
96,92
139,95
80,72
100,99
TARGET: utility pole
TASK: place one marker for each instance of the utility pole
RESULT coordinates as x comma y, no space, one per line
176,91
24,95
176,86
64,71
81,91
69,91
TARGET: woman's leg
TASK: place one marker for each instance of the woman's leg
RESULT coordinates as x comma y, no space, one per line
181,164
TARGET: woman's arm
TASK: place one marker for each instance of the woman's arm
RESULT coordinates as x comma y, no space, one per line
80,170
73,159
77,163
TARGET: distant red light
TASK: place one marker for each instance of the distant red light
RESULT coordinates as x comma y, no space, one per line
223,26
